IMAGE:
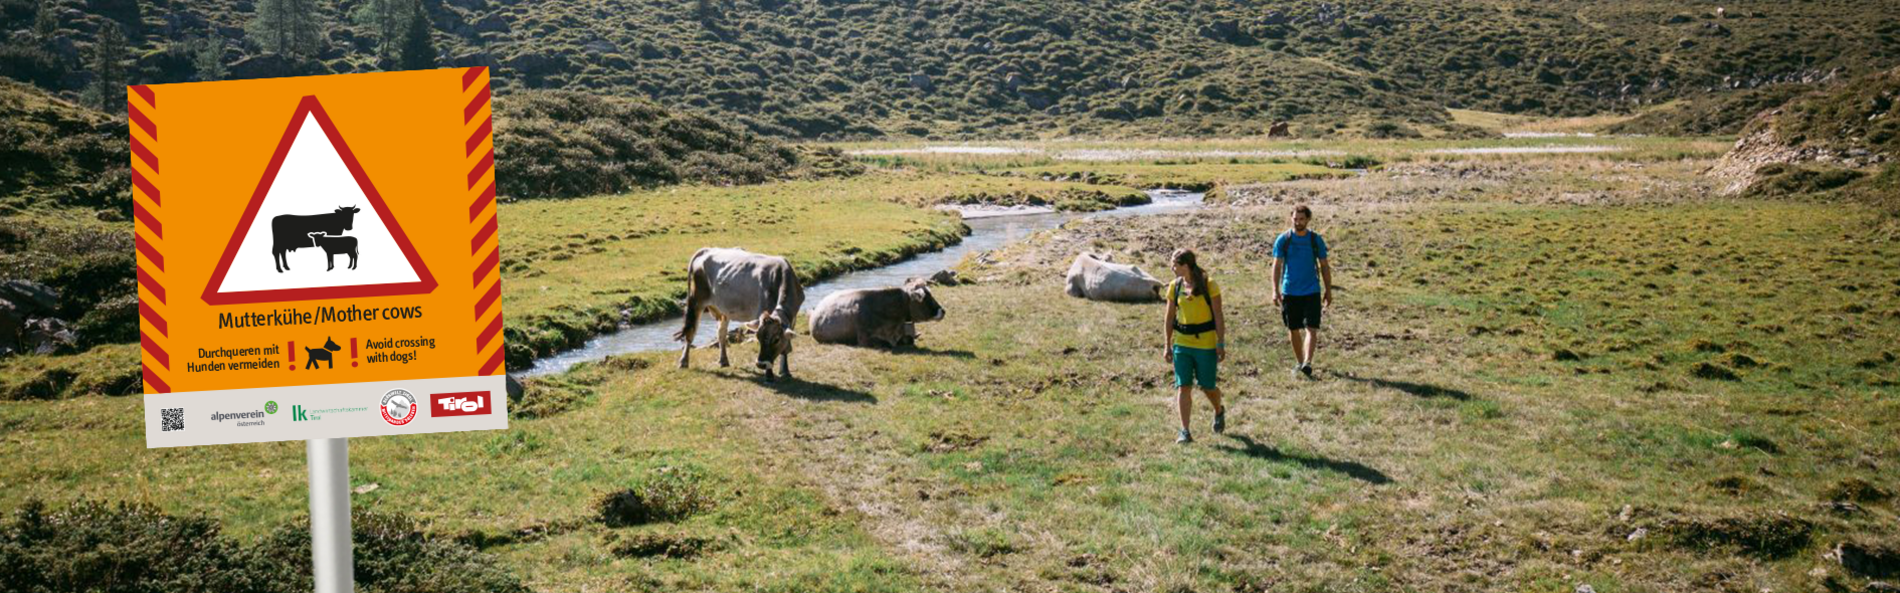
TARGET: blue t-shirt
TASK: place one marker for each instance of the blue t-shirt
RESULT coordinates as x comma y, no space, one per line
1302,255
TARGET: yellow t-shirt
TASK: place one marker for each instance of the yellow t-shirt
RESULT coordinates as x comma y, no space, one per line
1190,309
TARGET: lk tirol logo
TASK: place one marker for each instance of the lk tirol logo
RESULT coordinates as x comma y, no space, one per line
298,413
466,403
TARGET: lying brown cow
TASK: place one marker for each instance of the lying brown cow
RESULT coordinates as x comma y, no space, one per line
872,317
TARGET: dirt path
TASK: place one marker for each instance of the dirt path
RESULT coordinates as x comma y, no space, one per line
856,467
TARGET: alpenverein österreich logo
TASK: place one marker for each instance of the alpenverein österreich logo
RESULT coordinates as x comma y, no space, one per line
399,407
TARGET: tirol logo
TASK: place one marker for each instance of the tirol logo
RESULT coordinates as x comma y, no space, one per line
467,403
399,407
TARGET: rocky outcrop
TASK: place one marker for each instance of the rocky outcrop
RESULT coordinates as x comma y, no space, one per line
1761,145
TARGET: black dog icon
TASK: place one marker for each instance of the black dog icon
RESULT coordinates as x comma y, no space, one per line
323,354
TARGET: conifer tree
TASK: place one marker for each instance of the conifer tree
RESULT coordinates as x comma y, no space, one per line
418,47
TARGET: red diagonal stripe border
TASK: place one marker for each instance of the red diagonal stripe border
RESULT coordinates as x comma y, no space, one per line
468,78
474,140
474,106
493,363
164,360
488,265
152,380
151,222
150,314
151,160
150,253
475,174
151,98
488,300
151,284
481,201
481,236
132,112
151,191
481,341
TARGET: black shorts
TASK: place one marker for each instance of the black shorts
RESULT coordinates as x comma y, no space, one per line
1300,312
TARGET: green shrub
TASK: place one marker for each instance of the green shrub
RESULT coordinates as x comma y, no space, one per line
666,493
135,548
115,321
87,280
1782,180
552,144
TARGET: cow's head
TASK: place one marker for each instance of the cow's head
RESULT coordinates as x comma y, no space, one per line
775,339
923,307
349,216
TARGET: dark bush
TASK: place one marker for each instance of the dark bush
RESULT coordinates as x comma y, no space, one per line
134,548
551,144
129,548
1762,535
115,321
87,280
1779,180
665,494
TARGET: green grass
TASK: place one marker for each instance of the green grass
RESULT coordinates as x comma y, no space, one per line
105,370
1028,441
1040,450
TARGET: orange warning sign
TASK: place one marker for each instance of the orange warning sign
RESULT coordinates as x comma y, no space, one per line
300,251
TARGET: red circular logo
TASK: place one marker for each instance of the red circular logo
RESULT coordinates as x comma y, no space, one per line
399,407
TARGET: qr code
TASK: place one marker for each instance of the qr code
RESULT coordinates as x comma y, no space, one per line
171,419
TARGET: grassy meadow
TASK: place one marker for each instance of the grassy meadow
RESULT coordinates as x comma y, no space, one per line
1642,389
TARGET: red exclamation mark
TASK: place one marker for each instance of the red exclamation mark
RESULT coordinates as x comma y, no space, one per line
292,345
352,351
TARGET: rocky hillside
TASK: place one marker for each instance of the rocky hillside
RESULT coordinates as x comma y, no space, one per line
973,68
1840,129
55,152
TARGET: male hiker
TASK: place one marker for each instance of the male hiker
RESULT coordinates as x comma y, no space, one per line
1304,287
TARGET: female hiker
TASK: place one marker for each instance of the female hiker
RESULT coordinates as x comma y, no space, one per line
1196,339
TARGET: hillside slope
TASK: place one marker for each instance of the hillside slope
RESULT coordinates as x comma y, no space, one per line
1846,127
970,68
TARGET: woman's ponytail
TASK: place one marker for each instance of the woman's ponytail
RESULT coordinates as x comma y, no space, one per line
1197,277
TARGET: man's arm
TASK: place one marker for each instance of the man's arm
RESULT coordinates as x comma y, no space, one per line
1279,267
1326,283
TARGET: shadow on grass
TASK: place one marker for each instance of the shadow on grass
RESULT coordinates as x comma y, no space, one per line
1257,450
1416,389
928,352
806,390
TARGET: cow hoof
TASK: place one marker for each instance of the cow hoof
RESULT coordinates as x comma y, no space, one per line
725,363
682,363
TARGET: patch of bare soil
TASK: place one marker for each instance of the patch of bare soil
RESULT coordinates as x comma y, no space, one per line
1547,181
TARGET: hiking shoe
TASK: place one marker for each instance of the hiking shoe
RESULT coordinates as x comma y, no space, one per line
1184,437
1296,372
1220,421
1307,369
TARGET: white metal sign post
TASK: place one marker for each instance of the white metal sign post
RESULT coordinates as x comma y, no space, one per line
332,562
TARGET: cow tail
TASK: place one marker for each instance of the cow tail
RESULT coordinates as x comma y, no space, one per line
698,288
